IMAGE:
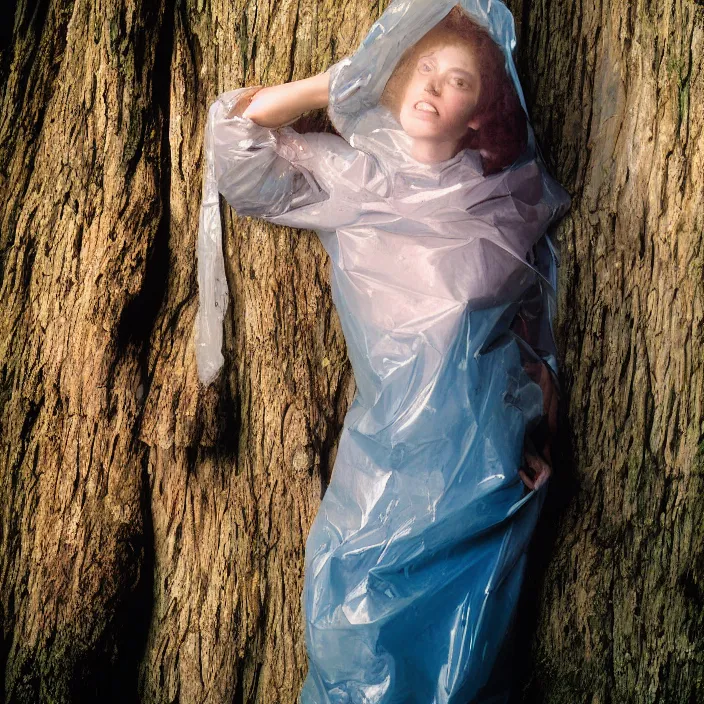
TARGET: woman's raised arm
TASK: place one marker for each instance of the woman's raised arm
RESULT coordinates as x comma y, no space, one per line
275,106
276,174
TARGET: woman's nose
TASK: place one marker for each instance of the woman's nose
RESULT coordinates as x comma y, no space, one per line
431,88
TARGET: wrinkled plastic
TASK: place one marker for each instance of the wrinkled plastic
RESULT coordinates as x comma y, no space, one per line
415,559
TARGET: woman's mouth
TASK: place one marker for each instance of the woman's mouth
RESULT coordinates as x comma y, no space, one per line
424,106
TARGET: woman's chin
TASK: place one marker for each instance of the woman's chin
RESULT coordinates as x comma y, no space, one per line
419,129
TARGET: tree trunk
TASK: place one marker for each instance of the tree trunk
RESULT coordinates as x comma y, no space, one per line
152,532
83,223
616,91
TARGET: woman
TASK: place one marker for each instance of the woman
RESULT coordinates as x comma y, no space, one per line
433,207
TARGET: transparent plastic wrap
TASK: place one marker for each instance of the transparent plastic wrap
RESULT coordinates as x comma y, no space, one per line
444,277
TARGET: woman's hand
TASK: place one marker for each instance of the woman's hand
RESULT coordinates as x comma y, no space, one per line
540,466
243,101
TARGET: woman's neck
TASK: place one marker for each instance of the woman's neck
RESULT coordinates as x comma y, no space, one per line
432,152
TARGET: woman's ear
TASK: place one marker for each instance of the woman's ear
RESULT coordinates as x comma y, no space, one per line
474,124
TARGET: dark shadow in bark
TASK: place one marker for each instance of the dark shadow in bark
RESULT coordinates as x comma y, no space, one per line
110,671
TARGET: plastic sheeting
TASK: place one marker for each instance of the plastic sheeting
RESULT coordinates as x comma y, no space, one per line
414,562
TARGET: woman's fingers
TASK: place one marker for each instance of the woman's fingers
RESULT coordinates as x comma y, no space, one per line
243,101
539,466
526,479
537,463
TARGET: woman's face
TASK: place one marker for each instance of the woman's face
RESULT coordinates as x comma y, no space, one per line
442,95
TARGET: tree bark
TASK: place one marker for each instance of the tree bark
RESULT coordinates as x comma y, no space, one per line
616,92
152,532
82,216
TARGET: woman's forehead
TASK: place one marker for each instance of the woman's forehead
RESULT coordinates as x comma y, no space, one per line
459,55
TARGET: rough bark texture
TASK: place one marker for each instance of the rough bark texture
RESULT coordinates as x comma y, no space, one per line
152,532
81,216
617,92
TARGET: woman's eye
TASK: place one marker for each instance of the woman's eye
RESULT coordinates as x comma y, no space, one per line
460,83
425,67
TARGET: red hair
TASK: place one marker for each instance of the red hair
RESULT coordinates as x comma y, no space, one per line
503,133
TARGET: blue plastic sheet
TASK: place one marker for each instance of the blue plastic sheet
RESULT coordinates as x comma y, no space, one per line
444,279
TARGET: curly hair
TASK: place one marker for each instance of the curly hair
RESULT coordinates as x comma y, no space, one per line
503,133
